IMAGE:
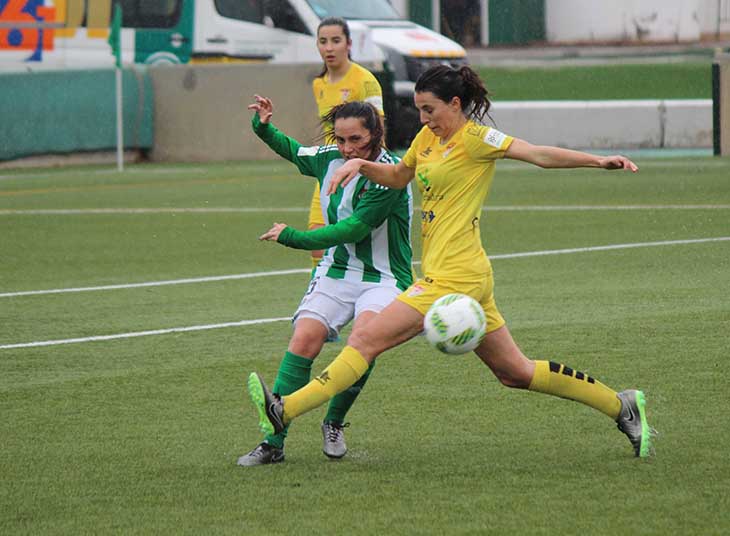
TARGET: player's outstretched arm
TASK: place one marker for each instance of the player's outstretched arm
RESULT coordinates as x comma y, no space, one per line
547,156
348,231
395,176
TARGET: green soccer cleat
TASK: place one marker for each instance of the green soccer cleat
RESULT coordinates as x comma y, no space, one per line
632,422
269,405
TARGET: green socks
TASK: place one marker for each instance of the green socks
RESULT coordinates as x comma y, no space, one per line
341,403
294,373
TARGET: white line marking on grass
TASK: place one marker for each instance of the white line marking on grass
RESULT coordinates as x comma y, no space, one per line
609,247
157,283
269,320
143,333
216,278
193,210
253,210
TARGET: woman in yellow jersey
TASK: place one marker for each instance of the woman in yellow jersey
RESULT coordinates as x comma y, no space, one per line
340,81
453,159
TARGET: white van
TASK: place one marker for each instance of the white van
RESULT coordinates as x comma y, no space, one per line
73,34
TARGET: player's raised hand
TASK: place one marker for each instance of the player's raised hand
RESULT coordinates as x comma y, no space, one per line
618,162
273,233
264,107
344,174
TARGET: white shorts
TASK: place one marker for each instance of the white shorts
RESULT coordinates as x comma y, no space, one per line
335,302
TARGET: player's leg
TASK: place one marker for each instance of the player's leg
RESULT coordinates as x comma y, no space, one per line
373,298
294,372
501,354
320,316
333,426
395,324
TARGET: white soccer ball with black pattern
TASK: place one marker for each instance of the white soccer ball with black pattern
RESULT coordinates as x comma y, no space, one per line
455,324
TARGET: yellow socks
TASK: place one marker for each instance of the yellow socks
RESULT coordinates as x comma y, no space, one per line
344,371
558,380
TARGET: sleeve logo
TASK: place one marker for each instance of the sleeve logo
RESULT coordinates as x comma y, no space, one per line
495,138
308,151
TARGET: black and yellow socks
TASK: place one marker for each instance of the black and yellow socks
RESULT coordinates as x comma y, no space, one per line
558,380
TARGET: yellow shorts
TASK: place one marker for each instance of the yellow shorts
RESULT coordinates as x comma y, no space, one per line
421,294
315,209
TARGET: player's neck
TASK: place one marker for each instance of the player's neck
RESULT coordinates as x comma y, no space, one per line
456,127
335,74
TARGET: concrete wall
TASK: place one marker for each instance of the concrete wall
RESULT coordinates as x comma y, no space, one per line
721,108
608,124
622,20
201,115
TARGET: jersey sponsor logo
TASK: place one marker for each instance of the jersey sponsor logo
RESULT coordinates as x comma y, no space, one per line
474,131
424,179
494,137
308,151
416,290
427,216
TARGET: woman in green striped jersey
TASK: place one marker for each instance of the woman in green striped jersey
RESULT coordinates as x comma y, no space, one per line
367,261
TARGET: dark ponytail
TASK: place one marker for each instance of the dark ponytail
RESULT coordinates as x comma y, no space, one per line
334,21
446,83
369,117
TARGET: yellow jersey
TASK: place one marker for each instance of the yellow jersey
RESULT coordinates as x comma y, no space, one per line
358,84
454,180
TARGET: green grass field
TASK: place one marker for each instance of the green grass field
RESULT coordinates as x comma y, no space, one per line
139,433
690,80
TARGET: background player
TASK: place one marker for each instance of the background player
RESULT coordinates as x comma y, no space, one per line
340,81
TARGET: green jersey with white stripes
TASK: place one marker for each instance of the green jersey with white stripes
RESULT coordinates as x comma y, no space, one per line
367,235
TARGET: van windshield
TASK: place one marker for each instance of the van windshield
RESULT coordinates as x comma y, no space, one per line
354,9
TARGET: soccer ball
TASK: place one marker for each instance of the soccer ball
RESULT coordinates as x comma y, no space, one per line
455,324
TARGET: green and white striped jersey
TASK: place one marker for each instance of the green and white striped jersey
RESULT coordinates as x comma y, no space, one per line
367,235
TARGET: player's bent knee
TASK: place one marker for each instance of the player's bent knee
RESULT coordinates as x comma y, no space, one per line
306,345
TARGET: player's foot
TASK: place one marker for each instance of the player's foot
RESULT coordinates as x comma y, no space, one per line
632,421
263,454
269,405
333,436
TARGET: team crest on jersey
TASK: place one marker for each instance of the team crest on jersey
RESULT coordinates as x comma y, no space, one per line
345,94
449,148
416,290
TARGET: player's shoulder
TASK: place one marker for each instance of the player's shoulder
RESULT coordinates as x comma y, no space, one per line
318,83
386,157
362,71
483,137
326,152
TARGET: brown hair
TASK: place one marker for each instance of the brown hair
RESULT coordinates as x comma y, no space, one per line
447,82
369,117
334,21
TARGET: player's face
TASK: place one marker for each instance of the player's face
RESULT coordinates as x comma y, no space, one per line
333,45
439,116
352,138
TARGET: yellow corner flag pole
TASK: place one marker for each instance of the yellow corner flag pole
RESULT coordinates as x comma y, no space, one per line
115,42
